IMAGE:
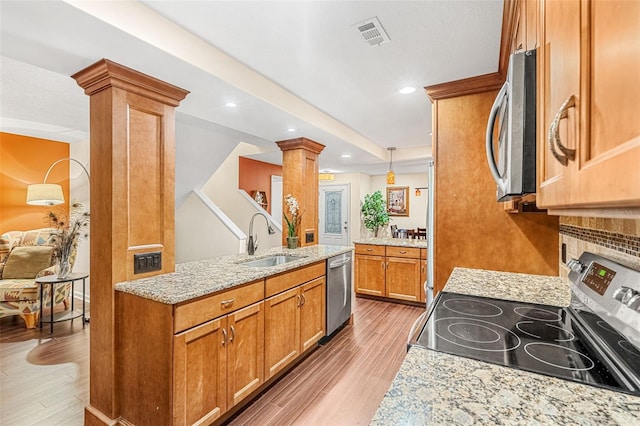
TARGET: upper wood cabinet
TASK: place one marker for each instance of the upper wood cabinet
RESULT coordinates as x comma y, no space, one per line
588,109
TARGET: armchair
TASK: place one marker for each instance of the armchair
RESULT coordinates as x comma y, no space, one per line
21,296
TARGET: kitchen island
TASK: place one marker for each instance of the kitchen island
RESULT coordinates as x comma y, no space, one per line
199,343
437,388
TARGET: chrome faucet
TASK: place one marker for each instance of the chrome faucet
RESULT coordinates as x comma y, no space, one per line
252,243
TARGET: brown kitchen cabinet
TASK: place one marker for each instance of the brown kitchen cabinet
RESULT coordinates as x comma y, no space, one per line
202,358
219,363
294,317
390,271
370,270
589,132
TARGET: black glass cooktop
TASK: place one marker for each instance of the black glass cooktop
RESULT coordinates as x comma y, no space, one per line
537,338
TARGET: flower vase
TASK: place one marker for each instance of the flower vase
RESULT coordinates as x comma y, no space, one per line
63,267
292,242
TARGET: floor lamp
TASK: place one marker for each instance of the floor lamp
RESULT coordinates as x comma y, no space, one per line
49,194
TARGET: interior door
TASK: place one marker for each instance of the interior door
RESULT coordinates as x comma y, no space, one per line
333,215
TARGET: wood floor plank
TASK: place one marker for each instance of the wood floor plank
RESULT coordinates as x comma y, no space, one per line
44,379
342,382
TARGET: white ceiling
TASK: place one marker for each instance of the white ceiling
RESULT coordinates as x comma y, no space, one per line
299,64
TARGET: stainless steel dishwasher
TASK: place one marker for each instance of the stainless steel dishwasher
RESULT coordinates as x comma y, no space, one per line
338,291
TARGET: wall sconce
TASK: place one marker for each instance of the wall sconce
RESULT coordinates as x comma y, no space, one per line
49,194
418,188
391,177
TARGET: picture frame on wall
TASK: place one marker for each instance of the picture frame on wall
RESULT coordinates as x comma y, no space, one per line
398,201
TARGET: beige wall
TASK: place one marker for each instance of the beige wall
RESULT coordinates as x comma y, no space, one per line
417,204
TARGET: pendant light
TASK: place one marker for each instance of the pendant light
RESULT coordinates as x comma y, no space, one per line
391,177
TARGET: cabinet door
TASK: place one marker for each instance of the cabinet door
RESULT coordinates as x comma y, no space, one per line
281,330
245,352
403,278
200,373
369,274
609,151
312,313
559,81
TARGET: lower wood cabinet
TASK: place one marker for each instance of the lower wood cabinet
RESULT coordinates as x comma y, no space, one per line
294,322
193,362
392,272
217,364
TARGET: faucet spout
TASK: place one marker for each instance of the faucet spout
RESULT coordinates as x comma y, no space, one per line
252,242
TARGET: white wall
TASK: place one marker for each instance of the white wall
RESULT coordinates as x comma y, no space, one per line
200,234
79,192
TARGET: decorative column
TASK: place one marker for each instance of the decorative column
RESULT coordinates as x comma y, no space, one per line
300,179
132,128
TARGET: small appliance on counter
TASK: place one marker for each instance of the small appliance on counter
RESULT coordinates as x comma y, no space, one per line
595,341
338,291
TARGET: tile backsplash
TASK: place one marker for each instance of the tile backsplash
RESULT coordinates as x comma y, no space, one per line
616,239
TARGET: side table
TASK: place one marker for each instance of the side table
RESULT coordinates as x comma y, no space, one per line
52,280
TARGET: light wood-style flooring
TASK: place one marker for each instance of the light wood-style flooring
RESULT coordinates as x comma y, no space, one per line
44,379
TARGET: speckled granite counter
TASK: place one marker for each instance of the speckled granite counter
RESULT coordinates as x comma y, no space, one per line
399,242
199,278
435,388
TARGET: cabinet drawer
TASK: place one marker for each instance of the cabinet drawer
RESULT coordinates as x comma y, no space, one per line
370,249
290,279
411,252
193,313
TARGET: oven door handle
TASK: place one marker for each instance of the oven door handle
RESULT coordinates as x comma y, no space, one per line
415,326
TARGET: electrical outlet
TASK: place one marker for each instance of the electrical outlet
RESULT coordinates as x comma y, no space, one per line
147,262
309,237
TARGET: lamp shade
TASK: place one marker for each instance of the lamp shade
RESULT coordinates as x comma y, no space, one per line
44,194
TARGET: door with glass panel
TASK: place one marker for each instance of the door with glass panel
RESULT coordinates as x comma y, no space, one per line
333,215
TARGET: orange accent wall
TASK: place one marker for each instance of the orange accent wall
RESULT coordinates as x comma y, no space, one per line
24,160
255,175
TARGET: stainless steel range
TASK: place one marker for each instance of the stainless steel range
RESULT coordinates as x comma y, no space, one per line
595,341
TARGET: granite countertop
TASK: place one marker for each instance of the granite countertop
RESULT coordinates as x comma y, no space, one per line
399,242
199,278
436,388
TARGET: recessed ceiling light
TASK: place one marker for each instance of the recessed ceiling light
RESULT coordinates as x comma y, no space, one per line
346,155
291,129
231,104
407,90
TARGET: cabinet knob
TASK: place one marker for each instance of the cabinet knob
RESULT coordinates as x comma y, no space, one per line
224,337
233,334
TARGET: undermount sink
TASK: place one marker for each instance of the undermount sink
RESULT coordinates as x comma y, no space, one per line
275,260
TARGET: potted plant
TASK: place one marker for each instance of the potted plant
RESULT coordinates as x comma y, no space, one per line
374,212
293,223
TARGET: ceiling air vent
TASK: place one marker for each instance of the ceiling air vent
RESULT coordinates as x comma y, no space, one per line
373,32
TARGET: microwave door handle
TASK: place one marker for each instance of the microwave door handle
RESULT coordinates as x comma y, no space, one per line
493,167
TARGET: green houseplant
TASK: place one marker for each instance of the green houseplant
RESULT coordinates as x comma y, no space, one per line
374,212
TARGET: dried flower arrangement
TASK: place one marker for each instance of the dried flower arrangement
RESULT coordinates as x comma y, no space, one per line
67,235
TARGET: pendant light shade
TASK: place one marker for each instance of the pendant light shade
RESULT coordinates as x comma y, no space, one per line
391,177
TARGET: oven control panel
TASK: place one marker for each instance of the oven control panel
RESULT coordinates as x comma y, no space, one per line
610,290
598,278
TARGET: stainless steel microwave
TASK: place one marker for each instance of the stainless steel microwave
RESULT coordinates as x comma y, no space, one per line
515,112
